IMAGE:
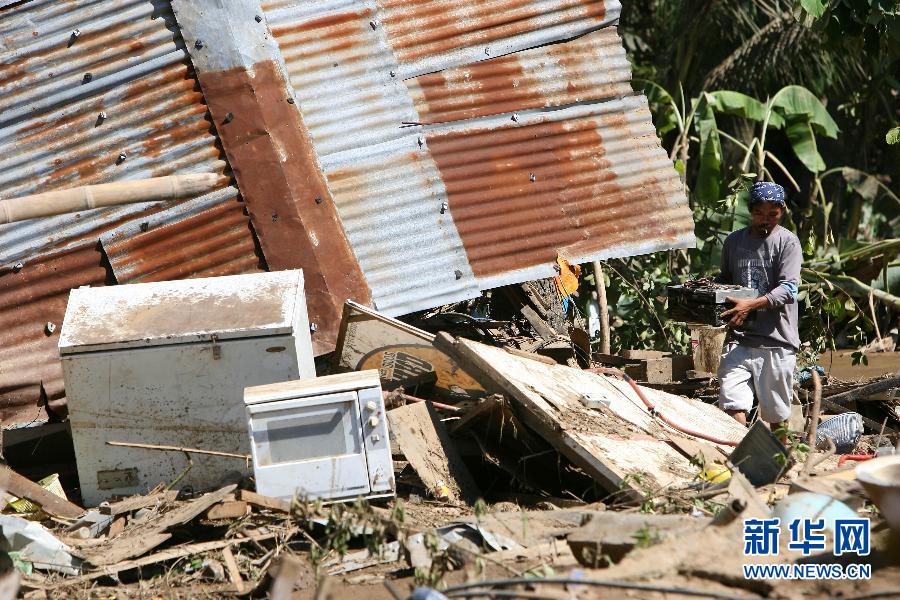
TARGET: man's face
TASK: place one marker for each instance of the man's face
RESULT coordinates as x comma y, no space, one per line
764,216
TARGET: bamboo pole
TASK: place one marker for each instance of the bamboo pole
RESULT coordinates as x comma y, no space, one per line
106,194
601,302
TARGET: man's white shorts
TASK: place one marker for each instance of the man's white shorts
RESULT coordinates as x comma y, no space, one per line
764,373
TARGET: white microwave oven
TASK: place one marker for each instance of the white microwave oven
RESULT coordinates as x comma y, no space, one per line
322,438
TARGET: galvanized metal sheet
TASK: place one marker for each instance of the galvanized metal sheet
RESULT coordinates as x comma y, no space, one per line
430,35
273,160
392,203
209,236
591,68
52,135
586,182
30,298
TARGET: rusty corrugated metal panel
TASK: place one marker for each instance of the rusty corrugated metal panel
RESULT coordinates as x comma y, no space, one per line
211,239
51,135
430,35
464,62
587,182
271,154
343,73
548,76
29,299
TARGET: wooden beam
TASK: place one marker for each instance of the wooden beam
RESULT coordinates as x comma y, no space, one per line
264,501
22,487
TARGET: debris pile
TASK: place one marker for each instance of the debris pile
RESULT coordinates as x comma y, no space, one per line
480,449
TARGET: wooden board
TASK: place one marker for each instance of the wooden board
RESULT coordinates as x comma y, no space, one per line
22,487
424,441
605,442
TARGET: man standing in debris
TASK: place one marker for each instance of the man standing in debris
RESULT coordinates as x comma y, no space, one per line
759,360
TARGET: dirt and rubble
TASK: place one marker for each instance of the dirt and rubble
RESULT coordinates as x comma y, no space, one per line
518,473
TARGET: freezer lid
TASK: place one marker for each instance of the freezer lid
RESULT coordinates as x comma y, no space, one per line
170,312
305,388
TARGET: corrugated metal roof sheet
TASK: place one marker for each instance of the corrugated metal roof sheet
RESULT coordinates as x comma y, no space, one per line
206,237
30,370
587,182
51,136
579,131
430,35
591,68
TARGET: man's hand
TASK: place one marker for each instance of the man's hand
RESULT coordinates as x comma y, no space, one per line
742,308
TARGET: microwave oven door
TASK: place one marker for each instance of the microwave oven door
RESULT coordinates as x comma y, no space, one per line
309,446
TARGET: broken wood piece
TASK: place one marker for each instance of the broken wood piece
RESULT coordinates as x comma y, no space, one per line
141,537
531,355
692,448
264,501
231,566
117,527
610,445
289,570
167,554
608,537
425,443
22,487
540,325
137,502
228,509
864,392
245,457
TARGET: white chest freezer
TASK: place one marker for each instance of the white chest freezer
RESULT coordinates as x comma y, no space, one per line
321,438
166,363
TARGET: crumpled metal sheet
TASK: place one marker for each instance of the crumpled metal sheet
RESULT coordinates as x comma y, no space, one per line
467,144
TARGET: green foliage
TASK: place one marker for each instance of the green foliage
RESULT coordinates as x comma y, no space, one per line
893,136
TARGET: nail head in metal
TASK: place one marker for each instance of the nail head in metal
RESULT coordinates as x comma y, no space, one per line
515,117
393,74
258,19
88,77
49,328
76,33
18,267
228,118
533,178
318,199
487,51
102,115
198,44
373,24
420,142
122,156
444,207
145,226
313,327
458,274
290,100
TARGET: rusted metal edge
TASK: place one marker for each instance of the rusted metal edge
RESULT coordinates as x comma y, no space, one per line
272,157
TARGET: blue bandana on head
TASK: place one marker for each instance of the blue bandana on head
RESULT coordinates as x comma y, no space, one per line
765,191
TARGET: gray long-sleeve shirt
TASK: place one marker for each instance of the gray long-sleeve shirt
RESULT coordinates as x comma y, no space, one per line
771,266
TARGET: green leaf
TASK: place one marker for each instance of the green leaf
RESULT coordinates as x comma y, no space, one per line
815,8
803,142
742,105
797,101
893,136
707,186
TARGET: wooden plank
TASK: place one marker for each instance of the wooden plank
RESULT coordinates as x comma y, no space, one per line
425,443
691,448
22,487
264,501
147,534
234,573
548,401
230,509
540,325
117,527
138,502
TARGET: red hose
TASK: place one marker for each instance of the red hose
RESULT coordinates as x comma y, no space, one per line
857,457
654,412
